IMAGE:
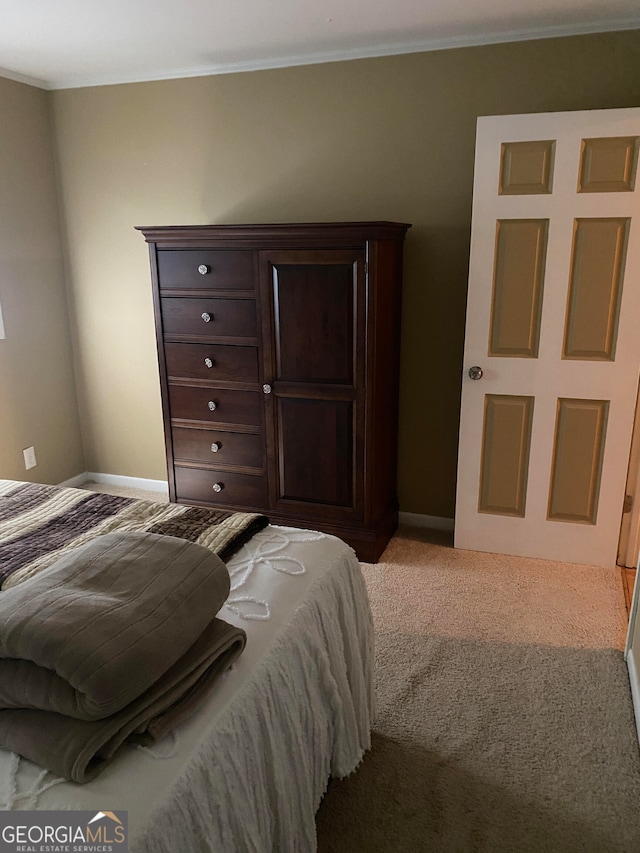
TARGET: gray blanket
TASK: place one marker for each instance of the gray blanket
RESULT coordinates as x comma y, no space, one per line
115,641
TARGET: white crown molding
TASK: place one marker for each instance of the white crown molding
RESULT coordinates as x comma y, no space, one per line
394,49
23,78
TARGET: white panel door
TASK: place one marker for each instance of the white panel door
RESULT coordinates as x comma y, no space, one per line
553,324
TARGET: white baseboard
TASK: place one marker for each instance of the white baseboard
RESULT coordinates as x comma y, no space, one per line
629,654
435,522
74,482
635,688
117,480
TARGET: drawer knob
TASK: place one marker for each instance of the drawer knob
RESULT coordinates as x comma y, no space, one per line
215,447
203,269
206,317
218,487
212,406
208,362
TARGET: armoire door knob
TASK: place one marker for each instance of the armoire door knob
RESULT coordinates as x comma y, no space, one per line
476,372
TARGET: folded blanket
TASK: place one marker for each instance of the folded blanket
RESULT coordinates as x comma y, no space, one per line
117,639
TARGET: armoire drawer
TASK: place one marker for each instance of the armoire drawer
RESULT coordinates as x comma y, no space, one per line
220,487
209,317
214,405
212,362
217,447
199,269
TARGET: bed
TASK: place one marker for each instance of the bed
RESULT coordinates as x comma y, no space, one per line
248,769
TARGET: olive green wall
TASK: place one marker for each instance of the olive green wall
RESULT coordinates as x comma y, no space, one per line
37,387
387,138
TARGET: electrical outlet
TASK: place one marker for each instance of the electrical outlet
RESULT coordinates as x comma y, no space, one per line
29,457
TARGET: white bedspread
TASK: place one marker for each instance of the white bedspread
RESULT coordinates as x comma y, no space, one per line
248,771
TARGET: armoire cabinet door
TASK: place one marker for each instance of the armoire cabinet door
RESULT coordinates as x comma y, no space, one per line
313,304
278,350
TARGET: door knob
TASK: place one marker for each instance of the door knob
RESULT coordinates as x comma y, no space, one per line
266,389
475,372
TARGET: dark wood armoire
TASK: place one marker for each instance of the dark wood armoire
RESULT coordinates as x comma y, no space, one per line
278,348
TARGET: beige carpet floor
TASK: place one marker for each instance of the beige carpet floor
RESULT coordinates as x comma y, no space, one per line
505,721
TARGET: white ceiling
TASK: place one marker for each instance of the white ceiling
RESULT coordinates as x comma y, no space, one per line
60,44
